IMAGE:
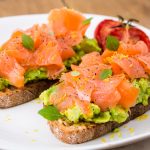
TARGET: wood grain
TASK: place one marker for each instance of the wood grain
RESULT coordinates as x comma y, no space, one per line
139,9
19,7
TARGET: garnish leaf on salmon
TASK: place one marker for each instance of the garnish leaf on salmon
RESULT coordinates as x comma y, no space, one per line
27,42
112,43
105,74
50,113
87,21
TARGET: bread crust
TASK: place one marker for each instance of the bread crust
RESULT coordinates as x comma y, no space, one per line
76,134
12,96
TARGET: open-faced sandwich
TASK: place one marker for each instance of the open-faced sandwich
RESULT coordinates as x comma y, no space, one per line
32,59
104,91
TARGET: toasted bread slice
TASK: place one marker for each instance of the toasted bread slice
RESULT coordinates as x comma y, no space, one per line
12,96
80,133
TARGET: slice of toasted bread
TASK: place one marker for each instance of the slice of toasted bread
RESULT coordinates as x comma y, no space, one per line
79,133
12,96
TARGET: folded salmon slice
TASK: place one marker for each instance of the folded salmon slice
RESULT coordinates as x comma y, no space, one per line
133,49
93,58
80,83
68,27
14,48
66,97
145,61
40,34
116,91
63,97
65,46
49,57
129,65
91,66
106,94
128,94
91,72
11,70
66,20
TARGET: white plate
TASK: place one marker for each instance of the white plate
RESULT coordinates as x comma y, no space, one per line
22,128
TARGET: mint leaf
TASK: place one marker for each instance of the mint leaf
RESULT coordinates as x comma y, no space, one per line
112,43
105,74
75,73
27,42
87,21
50,113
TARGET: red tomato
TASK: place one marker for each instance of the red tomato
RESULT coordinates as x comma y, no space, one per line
103,30
118,29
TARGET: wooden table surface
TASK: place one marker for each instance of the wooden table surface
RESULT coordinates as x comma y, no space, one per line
139,9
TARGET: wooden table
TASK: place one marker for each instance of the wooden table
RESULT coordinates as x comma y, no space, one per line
139,9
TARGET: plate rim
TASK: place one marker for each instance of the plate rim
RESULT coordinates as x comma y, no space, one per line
100,145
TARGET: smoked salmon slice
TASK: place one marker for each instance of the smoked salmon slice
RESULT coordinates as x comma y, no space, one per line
65,97
61,97
52,44
11,70
130,66
66,20
128,94
68,27
15,49
49,57
90,59
145,61
80,83
106,94
133,49
91,72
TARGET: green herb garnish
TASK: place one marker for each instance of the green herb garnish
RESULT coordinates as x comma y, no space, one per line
105,74
75,73
112,43
87,21
27,42
50,113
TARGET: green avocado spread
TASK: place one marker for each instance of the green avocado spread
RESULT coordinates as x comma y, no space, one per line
144,87
117,114
3,84
30,75
86,46
45,96
75,114
35,74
